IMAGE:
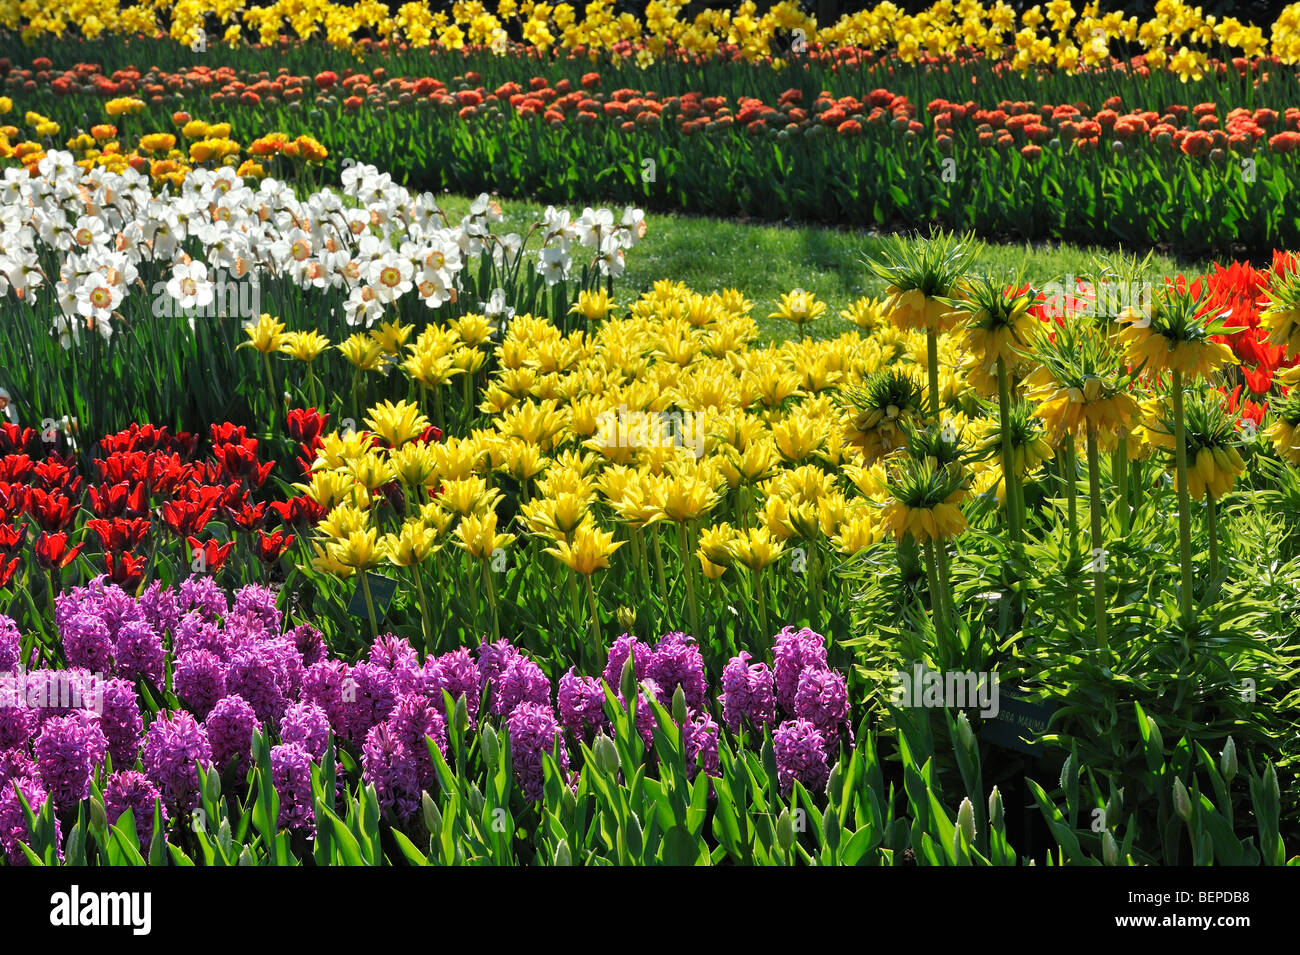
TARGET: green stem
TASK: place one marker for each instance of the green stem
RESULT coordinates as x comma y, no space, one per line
1212,521
1121,481
1184,501
1010,486
492,601
370,603
1098,544
936,599
762,606
689,571
425,617
593,613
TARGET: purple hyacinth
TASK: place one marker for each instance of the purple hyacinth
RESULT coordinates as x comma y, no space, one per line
493,658
326,683
823,699
618,654
392,769
522,681
374,694
13,819
310,644
160,607
748,696
17,719
68,750
173,749
581,702
287,663
196,632
533,734
307,725
130,791
700,738
121,721
394,653
414,718
257,601
15,763
230,727
800,754
676,662
200,592
291,774
87,643
138,652
252,675
199,680
10,645
793,651
458,674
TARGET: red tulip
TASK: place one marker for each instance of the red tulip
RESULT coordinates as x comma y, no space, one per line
186,518
125,570
120,534
210,555
271,547
53,553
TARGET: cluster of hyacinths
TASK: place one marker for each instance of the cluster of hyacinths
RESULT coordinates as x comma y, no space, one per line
99,236
229,668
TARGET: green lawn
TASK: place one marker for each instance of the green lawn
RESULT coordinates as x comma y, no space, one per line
765,261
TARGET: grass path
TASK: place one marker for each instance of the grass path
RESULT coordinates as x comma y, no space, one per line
765,261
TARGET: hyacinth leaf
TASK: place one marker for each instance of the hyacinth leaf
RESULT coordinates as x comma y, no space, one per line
127,840
409,850
349,851
158,844
680,848
74,851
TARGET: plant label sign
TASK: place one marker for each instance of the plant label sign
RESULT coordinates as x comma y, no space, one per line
1019,721
382,591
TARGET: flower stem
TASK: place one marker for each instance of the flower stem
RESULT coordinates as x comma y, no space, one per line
937,612
594,613
370,603
1184,500
1212,521
425,618
1011,488
1098,544
692,606
492,601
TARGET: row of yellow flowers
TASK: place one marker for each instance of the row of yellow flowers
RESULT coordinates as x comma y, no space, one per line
668,424
1055,33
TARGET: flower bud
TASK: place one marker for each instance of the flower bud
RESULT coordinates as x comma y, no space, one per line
784,830
966,820
1182,801
606,754
1228,761
432,815
491,748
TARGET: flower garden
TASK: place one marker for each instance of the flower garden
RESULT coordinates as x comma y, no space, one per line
371,494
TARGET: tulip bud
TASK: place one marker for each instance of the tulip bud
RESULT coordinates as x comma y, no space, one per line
476,799
606,754
491,747
1182,801
626,618
784,830
1228,761
246,857
995,808
679,707
98,818
562,854
432,816
1109,849
966,820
